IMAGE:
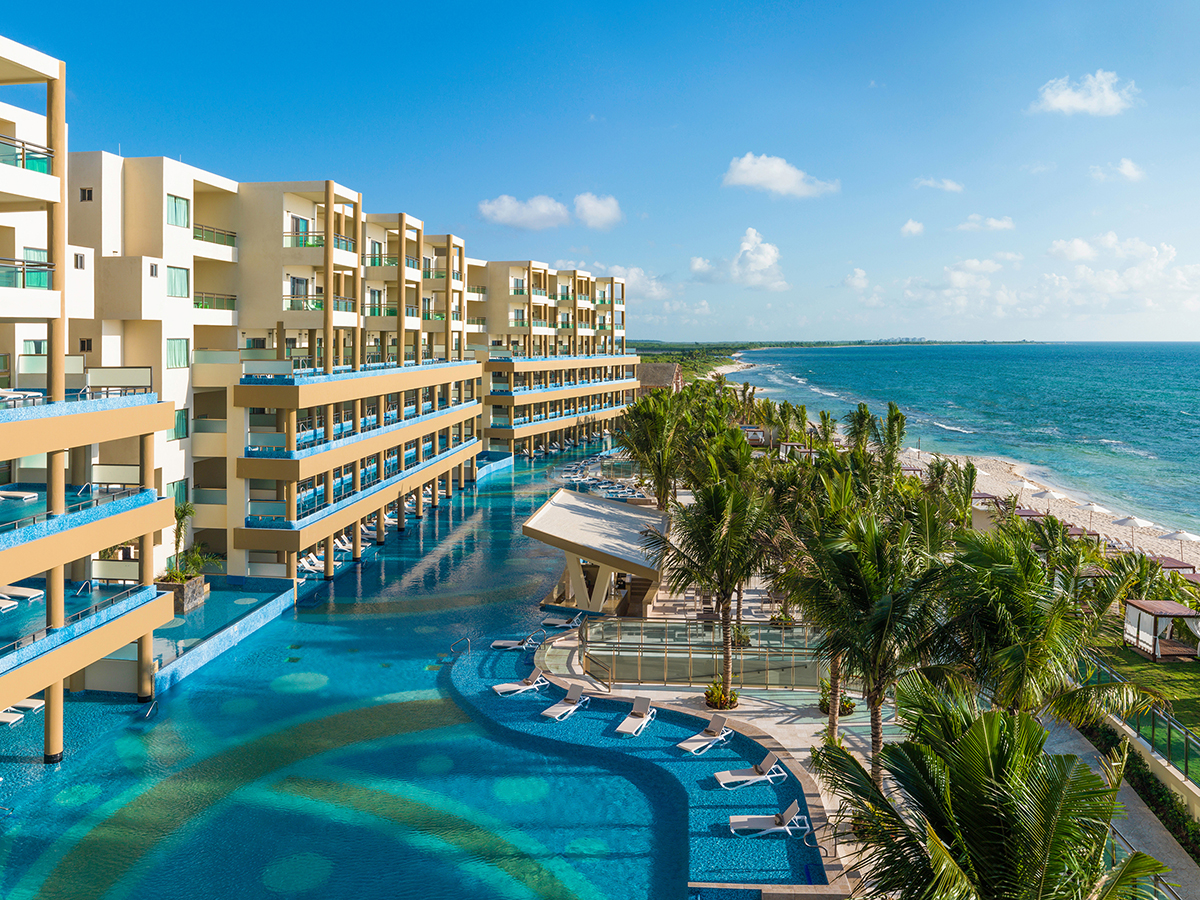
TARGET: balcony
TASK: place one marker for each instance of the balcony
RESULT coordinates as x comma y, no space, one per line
379,310
26,275
517,291
433,273
476,289
316,239
25,155
214,301
457,276
379,259
316,302
538,292
211,235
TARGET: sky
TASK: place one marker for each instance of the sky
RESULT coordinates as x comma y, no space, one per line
759,171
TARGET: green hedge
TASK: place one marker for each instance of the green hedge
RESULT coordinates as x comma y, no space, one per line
1165,803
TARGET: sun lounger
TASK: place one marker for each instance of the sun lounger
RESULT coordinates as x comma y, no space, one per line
33,704
568,705
341,543
7,605
714,733
522,644
561,621
13,592
639,717
768,770
532,682
10,718
788,821
24,496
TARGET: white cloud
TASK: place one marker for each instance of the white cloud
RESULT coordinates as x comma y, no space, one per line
757,264
980,265
912,228
1039,167
776,175
976,222
944,184
1127,169
700,264
1096,95
639,285
533,214
1009,256
598,212
857,280
1074,249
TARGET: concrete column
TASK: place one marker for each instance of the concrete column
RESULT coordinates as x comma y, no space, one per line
146,541
329,279
358,412
289,489
381,525
280,341
329,558
289,430
145,667
312,346
419,493
56,234
435,495
53,714
339,344
291,564
329,486
450,484
356,539
462,475
329,421
358,281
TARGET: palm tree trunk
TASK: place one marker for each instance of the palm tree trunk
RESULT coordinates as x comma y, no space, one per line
726,646
739,612
876,705
835,694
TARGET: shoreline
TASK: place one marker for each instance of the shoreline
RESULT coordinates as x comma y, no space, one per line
738,365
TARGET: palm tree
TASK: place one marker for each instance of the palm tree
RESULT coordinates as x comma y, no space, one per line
654,431
826,428
984,815
861,427
716,543
184,511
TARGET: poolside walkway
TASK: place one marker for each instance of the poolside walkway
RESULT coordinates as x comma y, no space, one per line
794,719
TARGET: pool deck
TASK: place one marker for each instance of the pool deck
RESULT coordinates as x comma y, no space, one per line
791,720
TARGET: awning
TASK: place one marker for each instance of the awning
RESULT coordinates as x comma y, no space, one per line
602,531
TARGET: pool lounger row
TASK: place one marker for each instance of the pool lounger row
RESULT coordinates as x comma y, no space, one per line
532,682
23,496
787,822
15,713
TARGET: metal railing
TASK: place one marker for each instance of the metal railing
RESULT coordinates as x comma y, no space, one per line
214,235
25,155
477,320
1165,734
459,641
689,651
23,273
1119,847
312,302
476,289
380,259
433,273
378,310
214,301
411,262
26,640
316,239
91,501
457,276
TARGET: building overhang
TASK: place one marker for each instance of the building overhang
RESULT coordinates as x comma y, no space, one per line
602,531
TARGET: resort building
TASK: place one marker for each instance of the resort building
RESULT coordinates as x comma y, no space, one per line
78,437
556,365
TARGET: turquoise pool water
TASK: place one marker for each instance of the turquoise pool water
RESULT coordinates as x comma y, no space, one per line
338,753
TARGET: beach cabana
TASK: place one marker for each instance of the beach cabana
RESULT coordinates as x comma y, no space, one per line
1148,629
607,569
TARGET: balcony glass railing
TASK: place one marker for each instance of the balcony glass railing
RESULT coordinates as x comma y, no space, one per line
374,310
209,496
538,292
457,276
25,155
214,301
476,289
411,312
316,239
411,262
430,316
517,291
20,273
317,302
433,273
212,235
379,259
477,320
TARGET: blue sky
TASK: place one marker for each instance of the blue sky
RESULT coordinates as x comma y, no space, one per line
761,171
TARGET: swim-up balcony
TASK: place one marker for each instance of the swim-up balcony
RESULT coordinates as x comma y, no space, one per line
32,424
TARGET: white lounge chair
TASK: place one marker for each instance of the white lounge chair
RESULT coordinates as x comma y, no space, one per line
23,496
10,718
527,643
561,621
787,821
639,717
7,605
531,682
714,733
343,544
568,705
33,704
768,770
13,592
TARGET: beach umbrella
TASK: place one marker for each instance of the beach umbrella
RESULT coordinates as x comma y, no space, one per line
1181,536
1050,495
1022,485
1092,509
1133,522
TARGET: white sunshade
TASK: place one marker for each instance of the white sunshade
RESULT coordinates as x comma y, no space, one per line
1096,508
1181,536
597,529
1134,522
1050,495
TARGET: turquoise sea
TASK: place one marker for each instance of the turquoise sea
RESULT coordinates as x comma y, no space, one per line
1118,423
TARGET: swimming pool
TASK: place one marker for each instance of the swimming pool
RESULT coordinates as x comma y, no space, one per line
335,754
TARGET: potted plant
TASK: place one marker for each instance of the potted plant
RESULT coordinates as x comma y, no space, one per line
183,578
716,698
845,707
784,618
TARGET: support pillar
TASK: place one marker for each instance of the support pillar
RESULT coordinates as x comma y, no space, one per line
280,341
329,558
53,714
381,524
356,539
145,667
328,277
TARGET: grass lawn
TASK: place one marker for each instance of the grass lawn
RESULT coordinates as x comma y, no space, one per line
1177,680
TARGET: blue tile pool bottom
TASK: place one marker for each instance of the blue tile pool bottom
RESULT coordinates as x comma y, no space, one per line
715,855
220,608
326,755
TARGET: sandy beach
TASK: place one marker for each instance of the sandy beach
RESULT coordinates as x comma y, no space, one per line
729,368
996,476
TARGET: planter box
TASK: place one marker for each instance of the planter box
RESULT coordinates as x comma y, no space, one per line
188,595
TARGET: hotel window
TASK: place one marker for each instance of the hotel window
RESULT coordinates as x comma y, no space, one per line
177,353
256,343
34,348
37,278
153,270
178,212
80,261
376,296
180,431
177,491
85,345
177,282
85,195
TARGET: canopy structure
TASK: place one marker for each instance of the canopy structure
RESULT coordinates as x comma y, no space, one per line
1148,628
603,541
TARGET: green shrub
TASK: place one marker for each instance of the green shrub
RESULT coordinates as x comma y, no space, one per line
715,695
846,706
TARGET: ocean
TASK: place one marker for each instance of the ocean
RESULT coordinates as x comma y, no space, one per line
1117,423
